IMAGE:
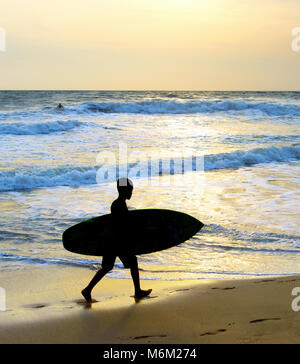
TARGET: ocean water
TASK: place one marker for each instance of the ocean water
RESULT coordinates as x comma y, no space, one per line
241,176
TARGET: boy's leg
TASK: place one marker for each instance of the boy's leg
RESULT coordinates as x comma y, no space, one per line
131,262
107,265
134,270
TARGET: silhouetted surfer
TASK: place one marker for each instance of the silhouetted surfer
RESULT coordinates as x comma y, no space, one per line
60,106
119,212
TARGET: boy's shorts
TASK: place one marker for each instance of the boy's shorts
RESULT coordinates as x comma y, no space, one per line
127,260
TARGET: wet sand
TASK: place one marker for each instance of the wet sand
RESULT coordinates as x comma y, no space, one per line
44,305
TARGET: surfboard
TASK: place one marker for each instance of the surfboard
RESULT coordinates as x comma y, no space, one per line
147,231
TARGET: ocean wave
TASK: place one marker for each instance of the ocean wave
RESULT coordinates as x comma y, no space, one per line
39,128
188,107
252,237
163,106
21,179
244,158
260,139
49,261
248,241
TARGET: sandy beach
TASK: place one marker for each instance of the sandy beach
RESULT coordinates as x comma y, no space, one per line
197,103
44,306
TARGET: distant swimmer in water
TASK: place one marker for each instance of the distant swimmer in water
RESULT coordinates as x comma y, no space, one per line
60,106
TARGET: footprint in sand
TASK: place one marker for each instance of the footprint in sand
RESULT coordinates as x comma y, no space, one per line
180,290
37,305
213,332
146,336
264,319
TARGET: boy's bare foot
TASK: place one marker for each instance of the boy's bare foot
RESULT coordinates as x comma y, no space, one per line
141,293
87,295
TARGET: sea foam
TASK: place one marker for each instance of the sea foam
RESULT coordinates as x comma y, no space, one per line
39,128
19,179
189,107
162,106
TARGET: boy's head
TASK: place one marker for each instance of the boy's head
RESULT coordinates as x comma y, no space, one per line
125,187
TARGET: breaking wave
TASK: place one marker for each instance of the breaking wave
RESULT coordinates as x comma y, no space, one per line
163,106
188,107
39,128
20,179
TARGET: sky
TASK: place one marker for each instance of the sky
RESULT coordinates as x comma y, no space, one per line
149,44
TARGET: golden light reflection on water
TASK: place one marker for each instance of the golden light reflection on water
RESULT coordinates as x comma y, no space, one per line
249,223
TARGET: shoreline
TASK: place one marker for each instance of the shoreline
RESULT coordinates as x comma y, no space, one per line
45,306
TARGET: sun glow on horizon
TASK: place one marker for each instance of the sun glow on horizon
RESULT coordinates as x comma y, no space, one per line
149,44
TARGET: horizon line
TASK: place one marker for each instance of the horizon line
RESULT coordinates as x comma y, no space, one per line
153,90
